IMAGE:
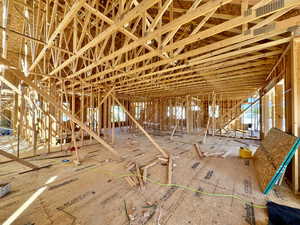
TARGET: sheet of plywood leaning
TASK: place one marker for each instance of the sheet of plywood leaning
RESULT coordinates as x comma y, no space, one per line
273,156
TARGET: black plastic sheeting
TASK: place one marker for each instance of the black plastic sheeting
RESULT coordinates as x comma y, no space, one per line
283,215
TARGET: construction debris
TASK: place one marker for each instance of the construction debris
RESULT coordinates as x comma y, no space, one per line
170,170
199,153
4,189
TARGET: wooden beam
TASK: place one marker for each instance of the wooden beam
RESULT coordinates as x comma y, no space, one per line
192,38
288,47
63,24
159,15
198,151
168,27
198,27
106,96
296,103
121,28
170,169
279,109
18,160
236,42
271,18
143,6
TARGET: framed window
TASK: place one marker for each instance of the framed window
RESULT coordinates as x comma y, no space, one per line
214,113
178,111
92,116
66,106
195,108
117,114
139,108
253,112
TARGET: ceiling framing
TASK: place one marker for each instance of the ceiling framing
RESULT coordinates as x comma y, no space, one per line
150,47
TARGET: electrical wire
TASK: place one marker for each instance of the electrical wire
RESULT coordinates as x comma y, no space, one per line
237,197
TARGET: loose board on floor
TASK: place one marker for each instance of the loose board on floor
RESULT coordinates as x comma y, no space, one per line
273,156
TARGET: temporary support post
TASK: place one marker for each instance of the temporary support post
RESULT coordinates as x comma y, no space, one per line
73,128
16,112
261,131
49,134
266,113
170,169
296,102
189,118
113,122
35,131
82,115
174,130
279,109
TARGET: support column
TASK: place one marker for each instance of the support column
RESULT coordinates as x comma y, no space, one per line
261,131
279,112
266,114
189,119
295,81
35,131
288,95
16,112
273,112
49,134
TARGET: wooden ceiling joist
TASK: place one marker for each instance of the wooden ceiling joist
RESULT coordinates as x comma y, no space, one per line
281,27
141,47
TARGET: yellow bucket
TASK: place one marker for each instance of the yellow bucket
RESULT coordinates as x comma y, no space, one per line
245,153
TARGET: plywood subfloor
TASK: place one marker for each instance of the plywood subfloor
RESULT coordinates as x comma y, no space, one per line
93,194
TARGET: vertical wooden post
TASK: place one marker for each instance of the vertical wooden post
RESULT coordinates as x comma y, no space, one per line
288,94
99,115
170,169
105,117
73,127
213,108
279,113
35,131
188,114
18,143
109,115
90,119
266,113
82,115
244,7
61,124
49,133
16,111
296,102
273,115
160,114
113,122
261,130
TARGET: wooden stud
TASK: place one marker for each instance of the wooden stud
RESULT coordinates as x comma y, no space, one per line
170,169
48,98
